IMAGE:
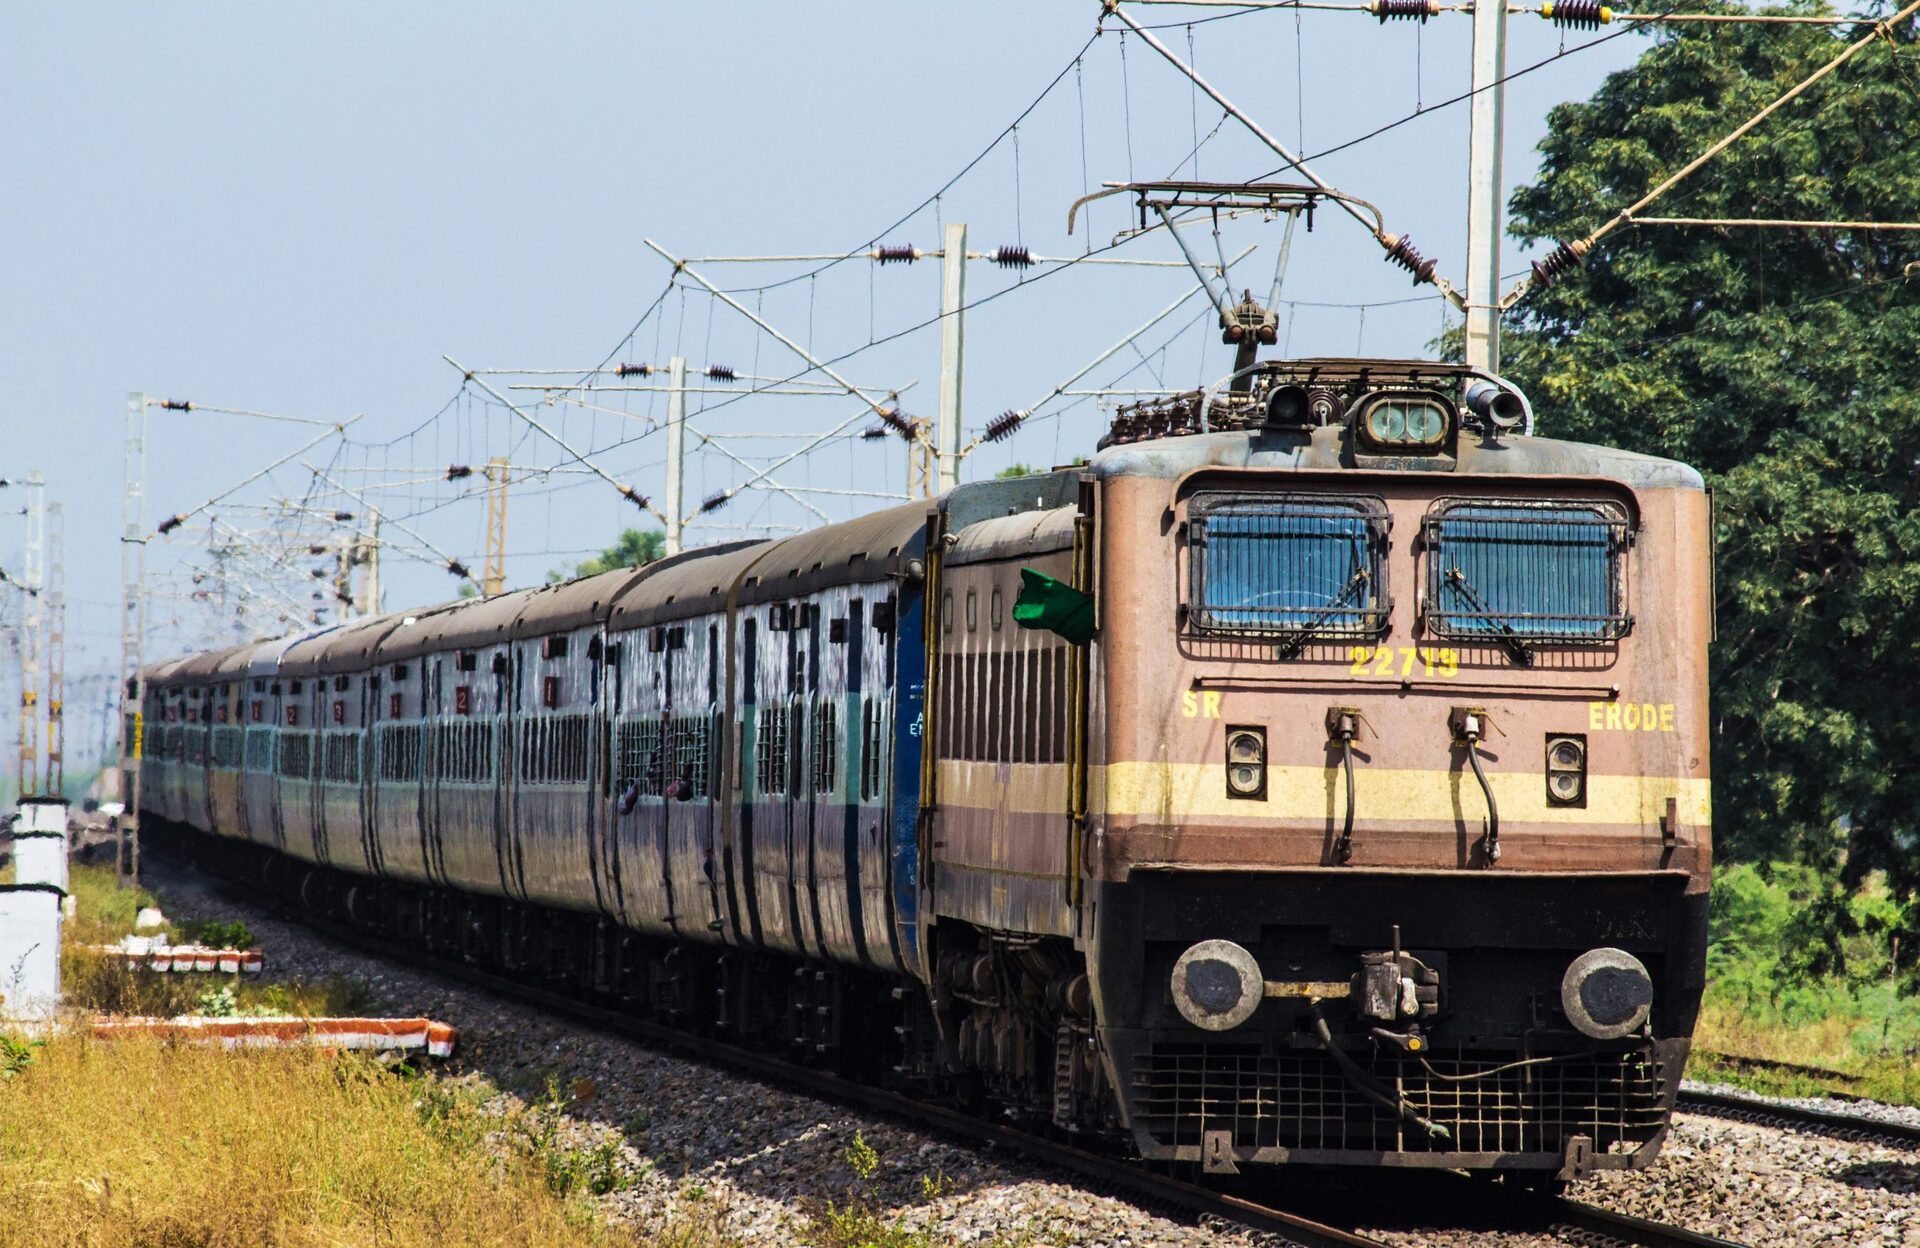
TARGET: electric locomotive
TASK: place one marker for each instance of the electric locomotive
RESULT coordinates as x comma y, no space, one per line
1318,774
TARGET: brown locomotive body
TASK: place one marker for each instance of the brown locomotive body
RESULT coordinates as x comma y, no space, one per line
1392,915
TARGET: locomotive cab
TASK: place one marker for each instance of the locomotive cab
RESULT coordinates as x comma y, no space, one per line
1399,850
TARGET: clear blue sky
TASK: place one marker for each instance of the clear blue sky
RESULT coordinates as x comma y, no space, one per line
298,209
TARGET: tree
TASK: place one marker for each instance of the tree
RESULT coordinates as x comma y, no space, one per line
635,547
1783,364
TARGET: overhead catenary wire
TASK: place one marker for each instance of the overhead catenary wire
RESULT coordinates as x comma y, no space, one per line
1397,246
1571,253
181,517
626,491
1551,12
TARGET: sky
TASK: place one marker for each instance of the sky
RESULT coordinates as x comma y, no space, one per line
300,210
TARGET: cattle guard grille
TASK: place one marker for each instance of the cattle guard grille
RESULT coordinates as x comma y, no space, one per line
1301,1102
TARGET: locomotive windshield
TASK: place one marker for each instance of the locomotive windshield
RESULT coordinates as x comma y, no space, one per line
1526,570
1296,566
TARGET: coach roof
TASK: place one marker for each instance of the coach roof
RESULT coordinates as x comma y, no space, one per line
869,548
692,584
198,669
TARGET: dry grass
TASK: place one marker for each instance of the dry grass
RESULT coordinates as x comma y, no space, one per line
1834,1043
146,1142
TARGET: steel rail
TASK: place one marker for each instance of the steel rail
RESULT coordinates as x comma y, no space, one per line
1800,1118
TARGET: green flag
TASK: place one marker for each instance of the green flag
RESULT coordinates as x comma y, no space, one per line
1055,606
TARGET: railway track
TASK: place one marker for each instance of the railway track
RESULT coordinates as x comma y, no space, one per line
1851,1127
1514,1210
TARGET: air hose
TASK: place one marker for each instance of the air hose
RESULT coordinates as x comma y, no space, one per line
1493,809
1343,849
1368,1086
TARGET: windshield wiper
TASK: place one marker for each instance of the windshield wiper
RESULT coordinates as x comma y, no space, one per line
1311,627
1509,639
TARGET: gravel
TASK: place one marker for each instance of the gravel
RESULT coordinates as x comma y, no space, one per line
702,1146
1769,1185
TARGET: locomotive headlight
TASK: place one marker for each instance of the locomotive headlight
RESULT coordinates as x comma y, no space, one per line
1217,985
1566,770
1247,763
1405,421
1606,994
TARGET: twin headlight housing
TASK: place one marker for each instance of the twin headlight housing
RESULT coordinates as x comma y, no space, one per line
1405,421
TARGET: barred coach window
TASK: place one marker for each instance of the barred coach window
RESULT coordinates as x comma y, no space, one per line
1513,570
1286,566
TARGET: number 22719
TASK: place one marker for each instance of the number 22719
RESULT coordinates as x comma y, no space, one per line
1401,660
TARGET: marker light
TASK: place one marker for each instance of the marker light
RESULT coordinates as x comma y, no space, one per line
1247,763
1566,771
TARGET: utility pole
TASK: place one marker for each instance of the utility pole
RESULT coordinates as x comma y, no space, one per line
953,298
1486,148
34,584
493,577
56,599
133,566
370,601
676,449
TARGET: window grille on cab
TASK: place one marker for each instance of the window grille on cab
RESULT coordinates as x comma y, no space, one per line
1515,570
1289,566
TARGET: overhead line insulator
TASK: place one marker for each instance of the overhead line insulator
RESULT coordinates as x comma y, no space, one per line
459,569
721,372
715,501
901,425
1001,427
1563,258
1403,10
633,370
896,253
1580,14
1014,258
635,496
457,472
176,405
1401,251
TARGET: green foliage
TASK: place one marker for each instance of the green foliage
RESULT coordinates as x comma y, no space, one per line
1801,970
861,1158
1789,943
218,1003
1782,364
16,1054
635,548
219,935
543,1134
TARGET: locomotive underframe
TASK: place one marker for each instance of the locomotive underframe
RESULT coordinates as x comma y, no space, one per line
1266,1092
